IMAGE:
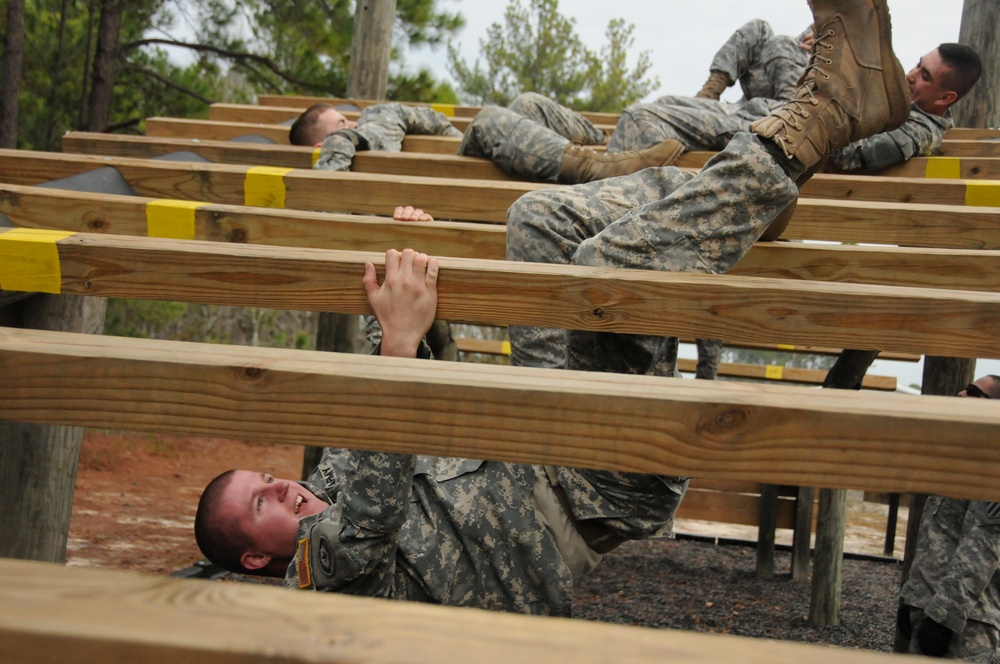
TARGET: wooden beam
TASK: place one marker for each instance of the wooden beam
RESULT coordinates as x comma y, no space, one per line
417,163
484,200
302,102
738,508
715,429
290,156
252,113
779,374
743,309
56,209
224,131
103,616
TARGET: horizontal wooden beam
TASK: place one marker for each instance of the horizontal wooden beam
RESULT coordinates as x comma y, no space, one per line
106,616
300,101
484,200
714,429
224,131
743,309
737,508
417,163
222,112
56,209
775,373
289,156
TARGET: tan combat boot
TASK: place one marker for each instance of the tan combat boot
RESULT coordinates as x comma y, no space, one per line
716,84
580,164
853,87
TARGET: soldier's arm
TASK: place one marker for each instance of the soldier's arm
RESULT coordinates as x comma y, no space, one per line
920,135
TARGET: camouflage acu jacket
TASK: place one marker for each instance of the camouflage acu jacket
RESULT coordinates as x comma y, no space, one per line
954,574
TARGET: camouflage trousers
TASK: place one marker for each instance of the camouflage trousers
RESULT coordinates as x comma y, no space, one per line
528,138
656,219
699,124
978,642
765,64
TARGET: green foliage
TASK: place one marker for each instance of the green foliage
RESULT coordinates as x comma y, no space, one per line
778,358
233,49
537,50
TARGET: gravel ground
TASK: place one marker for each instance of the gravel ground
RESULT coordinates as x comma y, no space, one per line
700,586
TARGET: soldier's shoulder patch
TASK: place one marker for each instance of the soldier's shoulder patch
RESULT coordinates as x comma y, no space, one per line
993,510
302,568
325,557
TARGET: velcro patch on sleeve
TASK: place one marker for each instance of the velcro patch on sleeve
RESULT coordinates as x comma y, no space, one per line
302,568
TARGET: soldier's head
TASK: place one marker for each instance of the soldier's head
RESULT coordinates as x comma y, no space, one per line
987,387
316,123
943,76
247,521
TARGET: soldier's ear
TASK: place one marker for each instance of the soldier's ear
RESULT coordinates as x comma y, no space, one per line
253,560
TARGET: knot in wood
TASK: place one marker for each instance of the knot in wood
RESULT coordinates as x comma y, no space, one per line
253,373
730,418
599,313
96,224
238,235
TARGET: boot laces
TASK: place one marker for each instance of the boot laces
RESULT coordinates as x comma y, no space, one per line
804,95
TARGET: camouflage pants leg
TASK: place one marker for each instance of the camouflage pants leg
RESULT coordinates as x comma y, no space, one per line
706,224
550,225
783,63
630,505
765,64
565,122
978,642
516,144
709,356
699,124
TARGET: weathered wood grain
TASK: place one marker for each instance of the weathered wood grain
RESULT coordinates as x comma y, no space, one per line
726,430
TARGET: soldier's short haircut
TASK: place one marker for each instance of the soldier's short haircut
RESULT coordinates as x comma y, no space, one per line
304,130
964,67
220,541
993,389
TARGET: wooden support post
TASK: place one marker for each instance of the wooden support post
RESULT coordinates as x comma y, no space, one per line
765,530
824,606
980,22
371,49
801,539
890,526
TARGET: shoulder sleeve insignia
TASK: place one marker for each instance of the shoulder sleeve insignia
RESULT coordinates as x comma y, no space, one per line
302,564
993,510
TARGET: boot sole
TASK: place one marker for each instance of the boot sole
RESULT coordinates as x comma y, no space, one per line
892,70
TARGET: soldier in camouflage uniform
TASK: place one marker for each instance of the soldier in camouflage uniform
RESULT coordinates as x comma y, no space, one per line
405,527
950,603
536,139
462,532
942,76
381,127
765,64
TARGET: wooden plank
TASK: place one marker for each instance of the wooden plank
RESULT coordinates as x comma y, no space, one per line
483,200
108,616
973,148
224,131
36,207
745,309
400,163
290,156
728,369
766,433
276,114
734,508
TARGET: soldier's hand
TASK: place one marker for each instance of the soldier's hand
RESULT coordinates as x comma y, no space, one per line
405,302
933,638
410,213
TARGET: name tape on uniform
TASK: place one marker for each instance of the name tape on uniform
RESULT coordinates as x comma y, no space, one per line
29,260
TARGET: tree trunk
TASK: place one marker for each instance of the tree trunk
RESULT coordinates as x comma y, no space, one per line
51,138
980,23
88,53
13,56
105,64
368,77
38,461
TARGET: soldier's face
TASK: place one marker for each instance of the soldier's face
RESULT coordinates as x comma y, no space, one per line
978,389
927,84
268,510
332,120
